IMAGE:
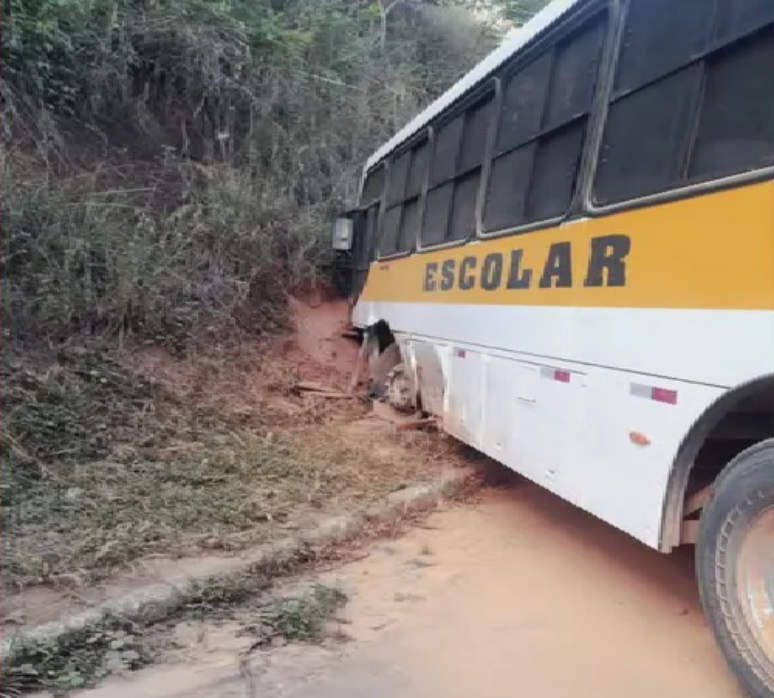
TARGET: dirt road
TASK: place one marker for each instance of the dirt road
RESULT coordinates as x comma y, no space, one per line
517,594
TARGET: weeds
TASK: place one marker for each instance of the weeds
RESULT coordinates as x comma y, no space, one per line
81,256
72,409
218,597
297,618
301,619
76,661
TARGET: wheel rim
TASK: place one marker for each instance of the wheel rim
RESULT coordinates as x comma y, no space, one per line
755,581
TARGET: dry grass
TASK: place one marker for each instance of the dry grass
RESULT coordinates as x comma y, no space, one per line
216,455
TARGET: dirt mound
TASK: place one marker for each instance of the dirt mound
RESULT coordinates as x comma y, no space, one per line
317,345
256,379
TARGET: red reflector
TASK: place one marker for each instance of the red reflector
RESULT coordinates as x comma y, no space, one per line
563,376
461,353
664,395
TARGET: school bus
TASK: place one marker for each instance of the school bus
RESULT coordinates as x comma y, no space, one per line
569,259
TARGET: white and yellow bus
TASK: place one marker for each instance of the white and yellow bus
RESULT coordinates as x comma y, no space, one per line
571,254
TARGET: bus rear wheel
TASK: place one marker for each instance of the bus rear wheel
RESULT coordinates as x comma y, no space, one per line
735,566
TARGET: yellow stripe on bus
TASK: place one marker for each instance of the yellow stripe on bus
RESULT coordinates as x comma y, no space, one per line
711,251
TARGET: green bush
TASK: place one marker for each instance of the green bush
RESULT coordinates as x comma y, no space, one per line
172,164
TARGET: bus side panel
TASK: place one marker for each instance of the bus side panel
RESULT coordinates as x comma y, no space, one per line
593,436
629,442
428,364
466,395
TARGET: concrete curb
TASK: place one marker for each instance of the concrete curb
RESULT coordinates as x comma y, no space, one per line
156,602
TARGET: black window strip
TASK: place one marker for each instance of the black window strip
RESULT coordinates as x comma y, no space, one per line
530,223
714,21
547,93
490,152
697,100
741,30
365,203
453,181
471,104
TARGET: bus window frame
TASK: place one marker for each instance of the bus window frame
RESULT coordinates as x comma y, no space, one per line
488,88
407,146
594,146
366,174
581,16
377,201
381,199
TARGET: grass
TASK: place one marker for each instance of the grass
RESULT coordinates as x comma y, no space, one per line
300,617
303,618
102,467
76,661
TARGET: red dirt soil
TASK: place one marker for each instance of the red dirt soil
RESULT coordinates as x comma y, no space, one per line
317,346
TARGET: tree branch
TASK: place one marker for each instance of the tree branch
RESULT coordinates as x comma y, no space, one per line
384,11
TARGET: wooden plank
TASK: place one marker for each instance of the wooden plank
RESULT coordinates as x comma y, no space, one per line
332,396
309,386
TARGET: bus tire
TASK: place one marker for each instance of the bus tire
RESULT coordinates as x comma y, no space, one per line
735,566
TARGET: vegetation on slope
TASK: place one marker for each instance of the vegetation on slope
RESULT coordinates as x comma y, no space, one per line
170,164
169,171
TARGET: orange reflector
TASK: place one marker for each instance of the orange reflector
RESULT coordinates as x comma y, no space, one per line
638,438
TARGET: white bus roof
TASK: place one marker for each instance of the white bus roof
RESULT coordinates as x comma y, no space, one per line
543,19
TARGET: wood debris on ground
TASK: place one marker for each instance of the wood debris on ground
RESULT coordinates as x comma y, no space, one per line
320,390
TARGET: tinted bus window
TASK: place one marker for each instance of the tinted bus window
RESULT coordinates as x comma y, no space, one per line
543,121
370,199
697,89
646,138
458,155
736,122
373,185
400,225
